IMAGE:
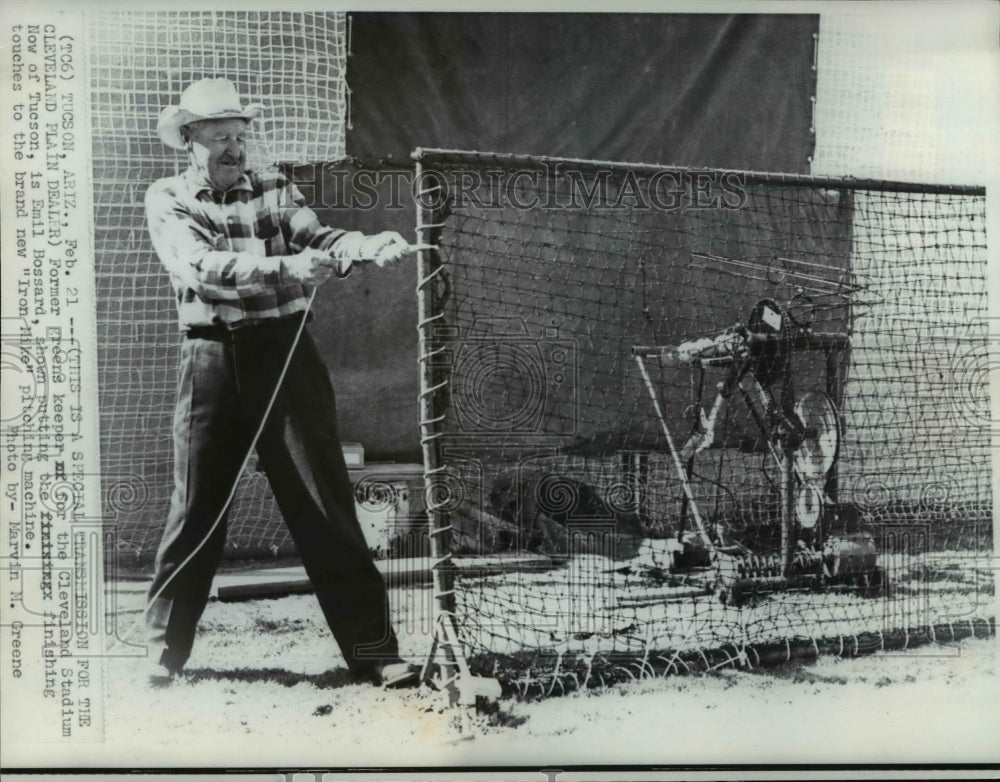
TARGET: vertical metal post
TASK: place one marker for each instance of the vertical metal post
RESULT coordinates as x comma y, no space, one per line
786,465
634,466
835,390
787,491
445,636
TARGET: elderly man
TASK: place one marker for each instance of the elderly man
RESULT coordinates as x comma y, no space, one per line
245,253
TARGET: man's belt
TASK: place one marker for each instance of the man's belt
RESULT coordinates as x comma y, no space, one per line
226,331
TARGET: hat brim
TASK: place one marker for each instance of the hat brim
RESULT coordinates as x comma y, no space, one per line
173,118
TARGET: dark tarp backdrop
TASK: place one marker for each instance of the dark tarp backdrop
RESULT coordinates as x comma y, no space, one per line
725,91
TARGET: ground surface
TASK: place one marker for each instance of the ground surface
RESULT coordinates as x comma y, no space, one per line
266,687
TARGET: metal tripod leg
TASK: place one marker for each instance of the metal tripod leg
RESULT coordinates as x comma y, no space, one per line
676,458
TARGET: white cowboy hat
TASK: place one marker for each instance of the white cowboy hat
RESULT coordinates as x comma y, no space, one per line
204,99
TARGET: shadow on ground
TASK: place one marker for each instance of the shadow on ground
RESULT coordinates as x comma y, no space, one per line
338,677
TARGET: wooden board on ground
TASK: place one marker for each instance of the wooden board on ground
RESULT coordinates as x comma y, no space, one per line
276,582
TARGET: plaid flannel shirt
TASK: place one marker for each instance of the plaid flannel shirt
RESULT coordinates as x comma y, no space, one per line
224,250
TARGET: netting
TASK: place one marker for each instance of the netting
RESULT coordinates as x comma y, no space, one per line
895,99
735,413
294,64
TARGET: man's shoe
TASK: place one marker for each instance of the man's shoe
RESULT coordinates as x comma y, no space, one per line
157,675
397,674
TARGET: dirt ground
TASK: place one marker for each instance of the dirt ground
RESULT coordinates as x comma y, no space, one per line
266,687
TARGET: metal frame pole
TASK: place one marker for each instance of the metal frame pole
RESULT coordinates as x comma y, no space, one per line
429,271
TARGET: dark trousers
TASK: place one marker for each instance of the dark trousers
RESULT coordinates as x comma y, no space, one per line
226,380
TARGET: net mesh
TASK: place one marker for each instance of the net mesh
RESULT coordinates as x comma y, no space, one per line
294,64
904,96
842,494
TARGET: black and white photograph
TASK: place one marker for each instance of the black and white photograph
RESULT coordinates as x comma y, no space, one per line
531,392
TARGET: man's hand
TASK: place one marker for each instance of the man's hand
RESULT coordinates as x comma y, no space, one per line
312,267
383,248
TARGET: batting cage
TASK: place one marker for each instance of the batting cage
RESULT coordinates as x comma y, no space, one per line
737,415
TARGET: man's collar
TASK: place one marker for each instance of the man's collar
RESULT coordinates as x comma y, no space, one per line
199,183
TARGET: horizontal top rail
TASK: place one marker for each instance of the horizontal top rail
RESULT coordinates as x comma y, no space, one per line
507,160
